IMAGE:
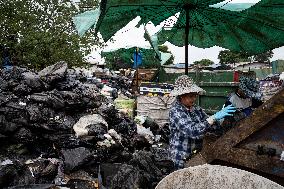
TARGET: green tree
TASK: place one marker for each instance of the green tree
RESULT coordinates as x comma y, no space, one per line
263,57
163,48
39,33
230,57
203,62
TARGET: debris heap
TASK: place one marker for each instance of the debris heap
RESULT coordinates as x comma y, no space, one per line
58,130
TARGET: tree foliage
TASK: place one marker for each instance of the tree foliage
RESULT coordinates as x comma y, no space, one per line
39,33
163,48
203,62
263,57
230,57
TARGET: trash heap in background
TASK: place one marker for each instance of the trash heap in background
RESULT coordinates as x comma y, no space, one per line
271,85
58,129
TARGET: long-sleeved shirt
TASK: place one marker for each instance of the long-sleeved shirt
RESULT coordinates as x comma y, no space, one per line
187,129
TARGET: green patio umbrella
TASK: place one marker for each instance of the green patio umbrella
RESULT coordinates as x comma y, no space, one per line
84,21
126,56
200,23
163,57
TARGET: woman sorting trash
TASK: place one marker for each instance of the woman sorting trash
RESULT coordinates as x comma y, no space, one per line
188,122
246,98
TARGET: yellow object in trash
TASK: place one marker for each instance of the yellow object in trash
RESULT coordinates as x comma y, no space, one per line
125,105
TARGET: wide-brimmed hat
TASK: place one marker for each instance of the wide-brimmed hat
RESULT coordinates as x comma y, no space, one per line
249,86
184,85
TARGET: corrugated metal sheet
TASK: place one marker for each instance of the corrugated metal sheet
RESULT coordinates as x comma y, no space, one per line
255,144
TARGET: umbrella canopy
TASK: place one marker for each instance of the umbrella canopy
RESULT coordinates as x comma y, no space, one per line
125,56
254,30
86,20
200,23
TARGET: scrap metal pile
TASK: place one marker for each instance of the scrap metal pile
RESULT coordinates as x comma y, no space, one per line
57,130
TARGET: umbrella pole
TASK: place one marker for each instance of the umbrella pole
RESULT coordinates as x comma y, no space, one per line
186,8
136,69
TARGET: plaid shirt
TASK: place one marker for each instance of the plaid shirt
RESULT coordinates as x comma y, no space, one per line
187,129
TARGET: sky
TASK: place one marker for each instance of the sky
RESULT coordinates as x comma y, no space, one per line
131,36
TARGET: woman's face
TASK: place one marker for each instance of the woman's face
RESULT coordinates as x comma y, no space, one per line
188,99
241,93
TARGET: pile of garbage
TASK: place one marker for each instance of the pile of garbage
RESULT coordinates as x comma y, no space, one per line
58,130
270,85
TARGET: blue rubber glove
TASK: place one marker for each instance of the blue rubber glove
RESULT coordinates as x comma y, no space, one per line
227,111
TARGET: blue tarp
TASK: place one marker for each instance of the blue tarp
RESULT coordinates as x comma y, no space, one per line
137,58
